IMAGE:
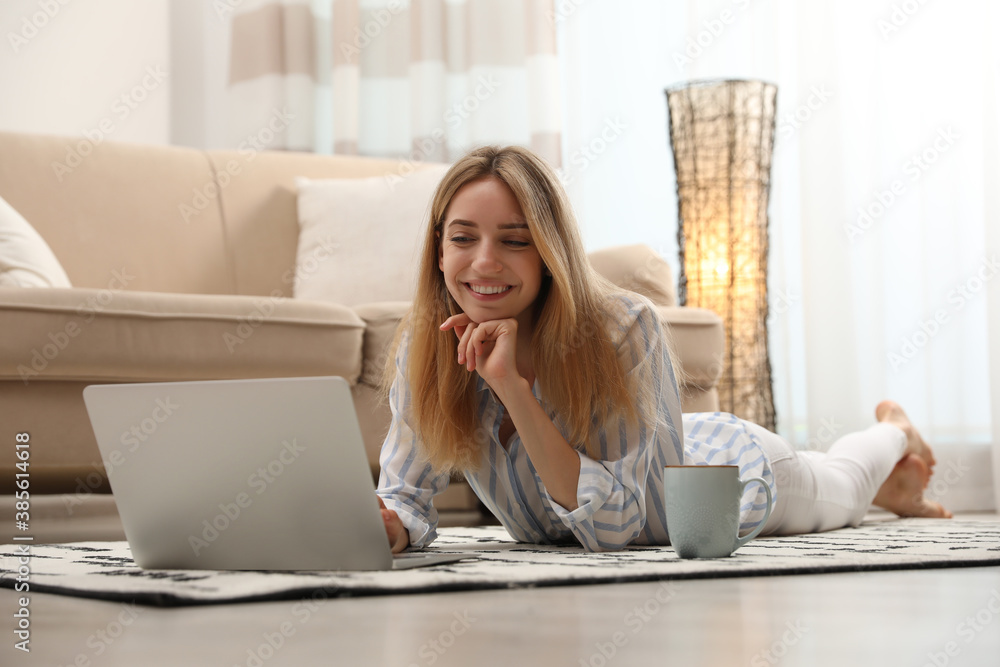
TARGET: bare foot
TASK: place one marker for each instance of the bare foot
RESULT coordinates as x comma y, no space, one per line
890,412
903,492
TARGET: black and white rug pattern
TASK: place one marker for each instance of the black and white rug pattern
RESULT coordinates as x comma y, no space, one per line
105,570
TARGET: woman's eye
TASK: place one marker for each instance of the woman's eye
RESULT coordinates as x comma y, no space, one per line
517,244
460,239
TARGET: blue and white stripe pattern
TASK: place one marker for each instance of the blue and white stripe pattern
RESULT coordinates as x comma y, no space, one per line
719,439
620,493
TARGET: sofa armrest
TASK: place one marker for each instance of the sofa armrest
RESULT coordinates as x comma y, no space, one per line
85,334
698,339
381,321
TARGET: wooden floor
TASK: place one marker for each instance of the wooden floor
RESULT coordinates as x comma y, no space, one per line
891,618
921,617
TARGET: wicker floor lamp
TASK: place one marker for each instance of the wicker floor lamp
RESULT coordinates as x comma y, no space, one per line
722,134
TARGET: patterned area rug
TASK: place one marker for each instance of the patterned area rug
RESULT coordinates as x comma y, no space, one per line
105,570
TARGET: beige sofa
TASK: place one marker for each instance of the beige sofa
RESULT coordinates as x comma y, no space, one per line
159,298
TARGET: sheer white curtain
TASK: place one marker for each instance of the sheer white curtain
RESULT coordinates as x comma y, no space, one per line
884,210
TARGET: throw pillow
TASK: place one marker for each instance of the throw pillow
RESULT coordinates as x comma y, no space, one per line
25,258
360,239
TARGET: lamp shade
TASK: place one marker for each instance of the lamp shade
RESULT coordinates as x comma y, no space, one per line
722,135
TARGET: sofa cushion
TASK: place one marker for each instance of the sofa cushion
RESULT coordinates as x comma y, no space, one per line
25,258
112,336
638,268
258,194
361,238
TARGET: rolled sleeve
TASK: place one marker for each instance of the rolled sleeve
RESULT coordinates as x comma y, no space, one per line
611,493
608,515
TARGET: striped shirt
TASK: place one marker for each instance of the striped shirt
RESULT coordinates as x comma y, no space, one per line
619,494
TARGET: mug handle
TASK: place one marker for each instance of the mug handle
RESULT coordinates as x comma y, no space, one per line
770,505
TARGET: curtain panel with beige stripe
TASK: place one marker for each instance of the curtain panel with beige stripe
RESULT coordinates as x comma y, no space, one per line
424,80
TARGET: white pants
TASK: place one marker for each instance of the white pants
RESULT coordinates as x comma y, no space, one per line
819,491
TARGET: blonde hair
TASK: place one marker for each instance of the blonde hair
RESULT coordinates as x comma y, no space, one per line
575,362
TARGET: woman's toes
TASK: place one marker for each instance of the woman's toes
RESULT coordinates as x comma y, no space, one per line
936,510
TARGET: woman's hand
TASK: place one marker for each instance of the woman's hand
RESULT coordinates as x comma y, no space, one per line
488,347
399,537
491,349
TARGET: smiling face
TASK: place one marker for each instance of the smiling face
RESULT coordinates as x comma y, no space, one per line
487,255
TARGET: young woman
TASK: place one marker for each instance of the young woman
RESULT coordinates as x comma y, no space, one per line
554,392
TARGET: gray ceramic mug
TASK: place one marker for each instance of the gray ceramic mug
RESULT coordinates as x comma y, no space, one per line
703,509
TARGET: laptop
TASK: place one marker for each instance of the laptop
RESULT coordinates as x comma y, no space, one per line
263,474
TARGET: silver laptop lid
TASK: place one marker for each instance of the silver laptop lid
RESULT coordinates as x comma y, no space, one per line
240,474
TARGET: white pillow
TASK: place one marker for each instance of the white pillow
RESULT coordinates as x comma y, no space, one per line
25,258
360,238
